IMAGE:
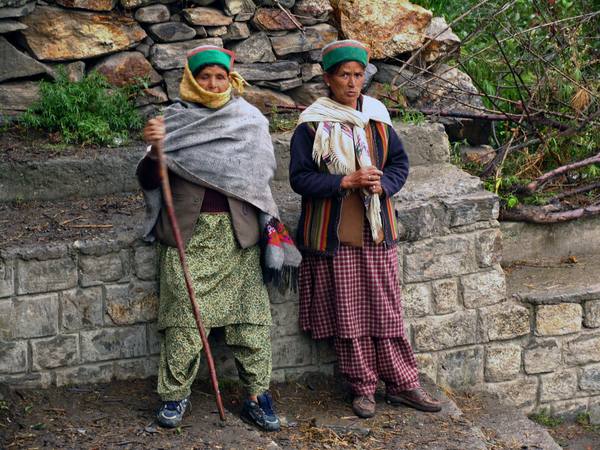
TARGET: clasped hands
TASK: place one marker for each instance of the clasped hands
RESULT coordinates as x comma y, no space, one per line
368,177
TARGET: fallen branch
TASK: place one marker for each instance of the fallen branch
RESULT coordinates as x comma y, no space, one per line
492,117
529,30
534,216
530,188
62,224
458,114
576,191
528,143
504,155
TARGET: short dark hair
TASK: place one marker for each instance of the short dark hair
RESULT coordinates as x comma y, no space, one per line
204,66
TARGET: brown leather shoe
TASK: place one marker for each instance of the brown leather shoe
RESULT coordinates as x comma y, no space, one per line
417,398
364,406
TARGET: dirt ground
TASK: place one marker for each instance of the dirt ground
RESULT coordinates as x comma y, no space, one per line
120,415
26,223
23,223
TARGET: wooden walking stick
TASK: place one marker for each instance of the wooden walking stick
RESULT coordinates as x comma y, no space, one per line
166,190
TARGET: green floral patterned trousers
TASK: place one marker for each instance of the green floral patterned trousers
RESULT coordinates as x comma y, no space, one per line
181,353
230,293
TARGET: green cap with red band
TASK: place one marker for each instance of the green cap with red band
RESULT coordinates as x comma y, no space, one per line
210,54
344,51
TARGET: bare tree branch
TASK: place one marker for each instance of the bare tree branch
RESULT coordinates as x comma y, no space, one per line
538,216
430,40
579,190
530,188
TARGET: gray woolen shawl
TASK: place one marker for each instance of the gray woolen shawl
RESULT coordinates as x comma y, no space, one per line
227,149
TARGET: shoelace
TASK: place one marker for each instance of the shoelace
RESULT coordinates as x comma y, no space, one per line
426,394
365,397
266,404
177,406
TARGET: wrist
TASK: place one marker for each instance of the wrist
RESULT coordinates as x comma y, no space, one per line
344,184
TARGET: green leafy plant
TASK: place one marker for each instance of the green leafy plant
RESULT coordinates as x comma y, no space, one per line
546,419
530,61
290,377
228,384
282,124
415,117
585,420
4,126
90,111
28,408
455,156
389,97
3,405
511,201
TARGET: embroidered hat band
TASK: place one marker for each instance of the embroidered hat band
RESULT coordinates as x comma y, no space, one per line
210,54
344,51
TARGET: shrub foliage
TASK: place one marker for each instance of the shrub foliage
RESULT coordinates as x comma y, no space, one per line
537,63
90,111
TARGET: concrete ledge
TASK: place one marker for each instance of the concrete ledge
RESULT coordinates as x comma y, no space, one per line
59,178
554,283
554,241
112,170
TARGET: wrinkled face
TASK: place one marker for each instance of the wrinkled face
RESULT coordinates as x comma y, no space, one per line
346,83
213,79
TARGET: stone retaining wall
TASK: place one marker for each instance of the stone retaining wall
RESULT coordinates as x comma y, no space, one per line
85,312
277,54
561,362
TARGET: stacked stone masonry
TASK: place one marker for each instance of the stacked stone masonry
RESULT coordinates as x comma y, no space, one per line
85,312
277,44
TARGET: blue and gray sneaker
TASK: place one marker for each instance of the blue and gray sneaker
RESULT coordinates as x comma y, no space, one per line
261,414
171,412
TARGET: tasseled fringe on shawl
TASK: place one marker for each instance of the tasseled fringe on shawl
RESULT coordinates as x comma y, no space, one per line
279,257
286,277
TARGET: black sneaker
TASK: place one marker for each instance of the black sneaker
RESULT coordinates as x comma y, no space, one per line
171,412
261,414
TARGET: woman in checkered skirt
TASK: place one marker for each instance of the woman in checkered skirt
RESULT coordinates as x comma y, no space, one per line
347,162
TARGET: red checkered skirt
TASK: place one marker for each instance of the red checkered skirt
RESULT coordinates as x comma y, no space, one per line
352,295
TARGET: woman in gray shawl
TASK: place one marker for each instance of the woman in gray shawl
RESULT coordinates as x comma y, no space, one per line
221,162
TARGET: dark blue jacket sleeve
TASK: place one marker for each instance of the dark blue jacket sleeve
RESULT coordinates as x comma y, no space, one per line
305,177
396,167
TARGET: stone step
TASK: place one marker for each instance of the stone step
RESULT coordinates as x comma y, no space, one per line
110,172
547,282
439,181
552,241
504,425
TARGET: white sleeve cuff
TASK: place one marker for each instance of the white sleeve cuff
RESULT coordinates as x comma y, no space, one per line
149,155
